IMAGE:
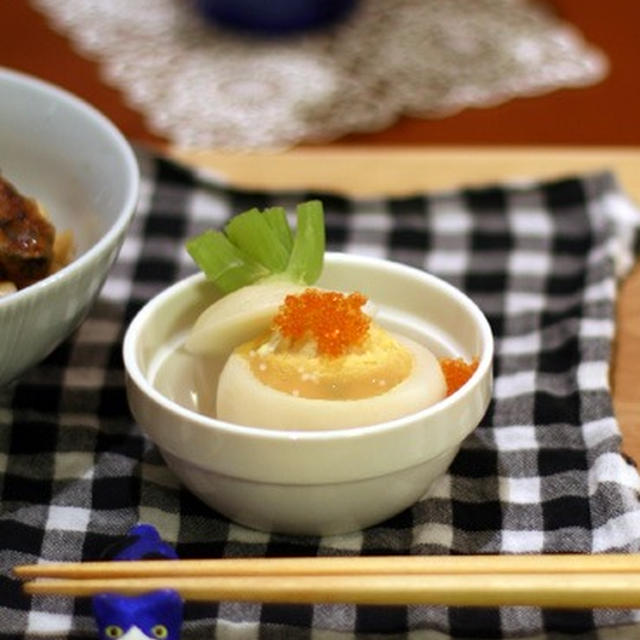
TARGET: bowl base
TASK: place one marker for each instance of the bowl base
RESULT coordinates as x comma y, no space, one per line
313,510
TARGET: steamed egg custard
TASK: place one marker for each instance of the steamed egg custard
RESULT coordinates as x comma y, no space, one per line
299,357
325,365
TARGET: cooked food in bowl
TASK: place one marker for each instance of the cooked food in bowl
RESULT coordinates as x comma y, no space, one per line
307,357
30,247
324,362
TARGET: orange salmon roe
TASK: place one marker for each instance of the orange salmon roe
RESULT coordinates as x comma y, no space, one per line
456,372
334,320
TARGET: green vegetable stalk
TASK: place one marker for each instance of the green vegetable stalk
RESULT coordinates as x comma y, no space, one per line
259,245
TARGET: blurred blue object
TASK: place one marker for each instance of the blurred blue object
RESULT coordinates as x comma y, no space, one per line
152,615
275,17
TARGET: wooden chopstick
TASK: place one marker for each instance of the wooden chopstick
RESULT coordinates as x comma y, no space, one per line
565,580
589,590
339,565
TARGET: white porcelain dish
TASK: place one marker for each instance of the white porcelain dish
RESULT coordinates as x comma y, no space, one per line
61,151
308,482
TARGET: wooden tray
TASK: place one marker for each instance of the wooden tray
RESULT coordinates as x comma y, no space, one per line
394,170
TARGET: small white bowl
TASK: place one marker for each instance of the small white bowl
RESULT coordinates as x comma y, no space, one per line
62,152
309,482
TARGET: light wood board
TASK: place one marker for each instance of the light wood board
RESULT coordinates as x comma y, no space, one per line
392,171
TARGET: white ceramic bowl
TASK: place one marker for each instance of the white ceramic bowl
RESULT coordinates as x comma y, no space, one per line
310,482
62,152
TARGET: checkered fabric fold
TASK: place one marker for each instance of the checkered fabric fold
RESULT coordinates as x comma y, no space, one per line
543,473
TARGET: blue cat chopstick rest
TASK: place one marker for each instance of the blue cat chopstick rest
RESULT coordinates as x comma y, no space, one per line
156,615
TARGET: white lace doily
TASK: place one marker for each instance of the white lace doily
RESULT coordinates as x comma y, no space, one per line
203,86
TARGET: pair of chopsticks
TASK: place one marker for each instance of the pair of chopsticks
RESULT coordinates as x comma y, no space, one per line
554,580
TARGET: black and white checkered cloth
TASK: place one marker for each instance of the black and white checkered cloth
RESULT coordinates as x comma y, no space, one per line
543,473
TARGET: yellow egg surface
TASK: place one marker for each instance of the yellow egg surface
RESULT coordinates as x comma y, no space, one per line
280,387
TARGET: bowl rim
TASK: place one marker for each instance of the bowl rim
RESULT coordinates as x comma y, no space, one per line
134,372
36,85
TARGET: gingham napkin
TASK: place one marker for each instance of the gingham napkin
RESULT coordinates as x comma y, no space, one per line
543,473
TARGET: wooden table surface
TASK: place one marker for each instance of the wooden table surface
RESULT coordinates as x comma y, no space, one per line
564,131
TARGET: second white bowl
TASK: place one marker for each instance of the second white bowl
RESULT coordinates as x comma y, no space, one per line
61,151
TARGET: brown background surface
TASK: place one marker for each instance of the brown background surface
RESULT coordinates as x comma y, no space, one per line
604,114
